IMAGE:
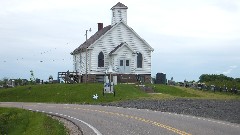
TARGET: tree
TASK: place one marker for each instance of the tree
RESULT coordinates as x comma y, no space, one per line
237,80
32,79
1,82
18,81
220,80
214,77
5,80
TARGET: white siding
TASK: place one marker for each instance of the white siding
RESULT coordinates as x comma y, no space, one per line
80,62
119,15
74,62
115,37
77,62
125,54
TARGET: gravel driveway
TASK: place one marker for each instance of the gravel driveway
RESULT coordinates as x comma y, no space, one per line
228,110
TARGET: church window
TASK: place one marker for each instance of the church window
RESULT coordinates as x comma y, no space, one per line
139,60
121,62
127,62
101,59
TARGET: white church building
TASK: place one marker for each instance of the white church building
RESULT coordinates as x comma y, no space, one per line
115,49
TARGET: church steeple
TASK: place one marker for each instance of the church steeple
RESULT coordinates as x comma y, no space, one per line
119,13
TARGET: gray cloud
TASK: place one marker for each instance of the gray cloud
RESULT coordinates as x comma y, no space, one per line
228,5
229,70
189,38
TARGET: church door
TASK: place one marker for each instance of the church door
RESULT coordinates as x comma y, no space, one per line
124,66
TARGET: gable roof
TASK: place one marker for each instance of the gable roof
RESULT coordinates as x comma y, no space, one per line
120,46
150,48
119,5
91,40
100,34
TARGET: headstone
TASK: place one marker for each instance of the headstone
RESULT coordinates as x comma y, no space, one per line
212,87
161,78
38,81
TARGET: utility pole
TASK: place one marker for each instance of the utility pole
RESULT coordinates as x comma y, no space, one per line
86,56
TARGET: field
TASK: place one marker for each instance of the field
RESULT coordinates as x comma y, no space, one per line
17,122
83,93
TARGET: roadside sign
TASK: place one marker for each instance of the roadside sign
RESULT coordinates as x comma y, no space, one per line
108,88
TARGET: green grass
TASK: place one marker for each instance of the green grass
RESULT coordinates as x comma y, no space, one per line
17,121
169,92
173,91
210,94
228,84
83,93
69,93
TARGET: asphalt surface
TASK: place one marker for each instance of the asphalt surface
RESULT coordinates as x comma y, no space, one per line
110,120
225,110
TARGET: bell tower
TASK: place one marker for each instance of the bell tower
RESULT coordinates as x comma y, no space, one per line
119,13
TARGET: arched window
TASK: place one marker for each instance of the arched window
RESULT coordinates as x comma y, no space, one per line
101,59
139,60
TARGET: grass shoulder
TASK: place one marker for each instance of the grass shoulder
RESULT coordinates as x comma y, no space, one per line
17,121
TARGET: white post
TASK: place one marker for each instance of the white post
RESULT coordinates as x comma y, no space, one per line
110,82
86,60
110,73
86,56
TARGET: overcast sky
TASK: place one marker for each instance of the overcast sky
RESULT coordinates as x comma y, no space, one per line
189,37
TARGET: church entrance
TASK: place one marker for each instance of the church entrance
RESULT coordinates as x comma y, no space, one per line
124,66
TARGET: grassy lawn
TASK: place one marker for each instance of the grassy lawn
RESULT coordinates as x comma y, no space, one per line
173,91
69,93
17,122
83,93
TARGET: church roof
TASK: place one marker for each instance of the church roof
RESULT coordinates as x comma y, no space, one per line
101,33
119,5
115,49
119,46
91,40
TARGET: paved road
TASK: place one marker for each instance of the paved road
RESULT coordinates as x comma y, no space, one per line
108,120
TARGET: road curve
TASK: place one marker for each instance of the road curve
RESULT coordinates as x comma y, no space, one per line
108,120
